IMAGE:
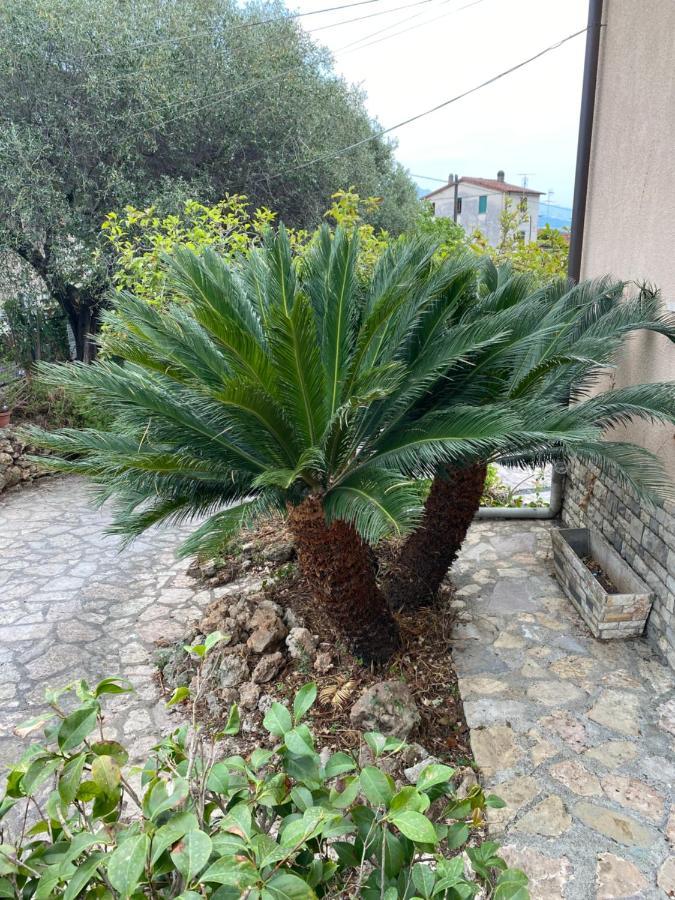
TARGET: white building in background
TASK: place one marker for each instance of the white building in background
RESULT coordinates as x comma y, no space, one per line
481,201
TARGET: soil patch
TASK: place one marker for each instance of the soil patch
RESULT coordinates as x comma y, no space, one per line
599,574
261,571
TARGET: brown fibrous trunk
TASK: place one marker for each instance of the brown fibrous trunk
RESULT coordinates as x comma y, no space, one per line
415,576
338,566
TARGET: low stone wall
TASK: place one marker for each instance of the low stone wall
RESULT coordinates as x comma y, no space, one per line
645,538
15,467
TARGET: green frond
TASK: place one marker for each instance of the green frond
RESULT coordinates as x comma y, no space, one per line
377,502
210,536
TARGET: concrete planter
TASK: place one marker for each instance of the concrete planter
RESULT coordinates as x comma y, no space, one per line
619,615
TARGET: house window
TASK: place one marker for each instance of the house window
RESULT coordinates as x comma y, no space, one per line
482,204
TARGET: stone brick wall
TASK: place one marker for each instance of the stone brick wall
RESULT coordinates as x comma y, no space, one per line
644,537
15,467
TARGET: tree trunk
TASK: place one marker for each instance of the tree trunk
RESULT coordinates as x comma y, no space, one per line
427,554
338,566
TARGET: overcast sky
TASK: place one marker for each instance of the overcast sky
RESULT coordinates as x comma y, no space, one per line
527,122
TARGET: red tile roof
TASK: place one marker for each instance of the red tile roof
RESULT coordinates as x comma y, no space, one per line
490,184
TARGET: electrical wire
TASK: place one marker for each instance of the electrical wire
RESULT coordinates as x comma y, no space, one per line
428,112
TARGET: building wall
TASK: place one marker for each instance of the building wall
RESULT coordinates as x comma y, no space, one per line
489,221
630,233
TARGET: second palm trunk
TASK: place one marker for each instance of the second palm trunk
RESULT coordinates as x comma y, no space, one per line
423,561
339,567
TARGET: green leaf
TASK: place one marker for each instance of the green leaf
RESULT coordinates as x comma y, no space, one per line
127,863
236,872
409,798
415,826
83,875
158,800
285,886
219,778
37,773
494,802
277,720
304,700
260,757
70,778
375,741
299,741
423,879
338,764
348,795
181,693
167,835
377,787
113,686
512,885
105,773
111,748
233,722
192,854
75,727
212,639
458,834
432,775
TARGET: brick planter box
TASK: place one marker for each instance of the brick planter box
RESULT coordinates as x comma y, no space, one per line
607,615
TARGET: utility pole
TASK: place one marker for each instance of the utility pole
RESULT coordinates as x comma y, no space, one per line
454,180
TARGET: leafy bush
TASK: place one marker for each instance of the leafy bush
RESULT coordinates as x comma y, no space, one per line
283,823
57,407
32,328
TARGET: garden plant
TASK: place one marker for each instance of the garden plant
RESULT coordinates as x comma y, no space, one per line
285,823
561,338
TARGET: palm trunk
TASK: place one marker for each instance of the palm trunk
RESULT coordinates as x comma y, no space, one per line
427,554
338,566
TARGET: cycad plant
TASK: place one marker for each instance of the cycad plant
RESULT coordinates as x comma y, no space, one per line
277,386
561,339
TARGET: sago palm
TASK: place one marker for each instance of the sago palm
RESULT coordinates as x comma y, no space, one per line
561,338
273,386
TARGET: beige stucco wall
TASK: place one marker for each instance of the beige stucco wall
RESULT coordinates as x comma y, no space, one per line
630,223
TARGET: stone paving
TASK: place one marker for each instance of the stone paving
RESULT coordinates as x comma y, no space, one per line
576,735
73,606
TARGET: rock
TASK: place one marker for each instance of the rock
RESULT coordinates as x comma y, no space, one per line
573,667
617,878
567,727
291,619
542,750
265,702
615,825
279,553
635,795
387,707
249,694
481,684
268,667
554,693
495,748
617,710
232,671
547,875
413,772
613,753
666,877
549,818
515,793
670,828
667,716
300,643
323,662
268,630
577,778
507,641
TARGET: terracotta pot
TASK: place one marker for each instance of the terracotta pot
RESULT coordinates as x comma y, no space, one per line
5,416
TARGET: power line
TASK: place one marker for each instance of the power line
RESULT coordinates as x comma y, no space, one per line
362,46
381,12
428,112
205,32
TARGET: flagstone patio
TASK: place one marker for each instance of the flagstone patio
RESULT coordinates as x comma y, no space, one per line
576,735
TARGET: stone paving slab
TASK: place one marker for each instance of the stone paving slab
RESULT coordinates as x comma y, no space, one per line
575,734
73,606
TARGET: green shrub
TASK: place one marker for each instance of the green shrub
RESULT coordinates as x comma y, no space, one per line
283,823
56,407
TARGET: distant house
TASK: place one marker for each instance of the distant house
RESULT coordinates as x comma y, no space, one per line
481,201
